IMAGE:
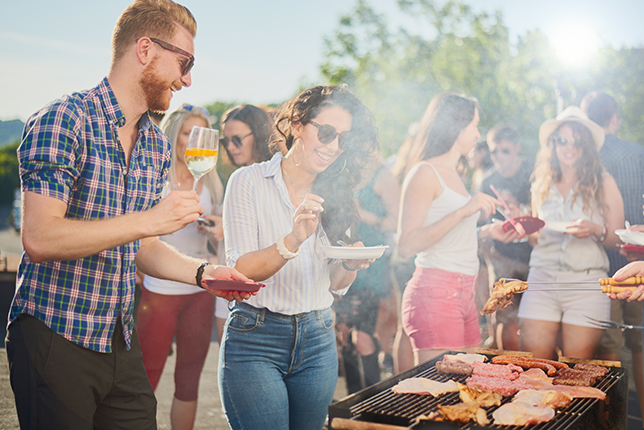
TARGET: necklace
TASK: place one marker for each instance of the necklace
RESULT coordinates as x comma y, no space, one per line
290,181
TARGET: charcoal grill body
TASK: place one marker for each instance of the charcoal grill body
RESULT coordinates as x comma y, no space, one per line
378,404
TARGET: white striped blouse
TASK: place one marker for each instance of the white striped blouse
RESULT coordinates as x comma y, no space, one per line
257,211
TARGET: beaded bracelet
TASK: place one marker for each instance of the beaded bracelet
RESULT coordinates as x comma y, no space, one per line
283,250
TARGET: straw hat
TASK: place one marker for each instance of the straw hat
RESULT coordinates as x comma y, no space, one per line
573,114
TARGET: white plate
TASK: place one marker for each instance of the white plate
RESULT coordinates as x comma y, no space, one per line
355,252
632,237
559,226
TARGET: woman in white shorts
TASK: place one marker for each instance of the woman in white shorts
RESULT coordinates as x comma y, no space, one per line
582,208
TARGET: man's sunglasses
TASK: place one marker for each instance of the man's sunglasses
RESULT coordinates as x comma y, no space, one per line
327,134
187,66
563,141
500,151
236,140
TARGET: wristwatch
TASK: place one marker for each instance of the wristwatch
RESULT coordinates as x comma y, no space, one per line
602,236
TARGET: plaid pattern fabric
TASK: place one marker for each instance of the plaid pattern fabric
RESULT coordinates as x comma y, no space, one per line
625,162
70,151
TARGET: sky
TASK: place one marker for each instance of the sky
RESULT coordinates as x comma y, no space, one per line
251,51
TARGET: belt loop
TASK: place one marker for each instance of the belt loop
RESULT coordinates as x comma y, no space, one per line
262,315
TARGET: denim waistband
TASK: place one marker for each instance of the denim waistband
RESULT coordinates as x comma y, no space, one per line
263,313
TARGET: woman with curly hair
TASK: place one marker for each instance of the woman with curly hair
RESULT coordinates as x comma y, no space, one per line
278,362
582,208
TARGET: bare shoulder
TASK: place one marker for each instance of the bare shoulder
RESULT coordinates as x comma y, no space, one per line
422,179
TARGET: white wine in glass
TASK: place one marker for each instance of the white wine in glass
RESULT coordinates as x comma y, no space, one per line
201,152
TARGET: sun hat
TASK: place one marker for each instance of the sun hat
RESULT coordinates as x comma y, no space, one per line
571,114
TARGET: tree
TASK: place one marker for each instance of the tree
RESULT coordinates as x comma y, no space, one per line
396,72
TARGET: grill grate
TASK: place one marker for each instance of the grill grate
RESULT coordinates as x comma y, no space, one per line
380,404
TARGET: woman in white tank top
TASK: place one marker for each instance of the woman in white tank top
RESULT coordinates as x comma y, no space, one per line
438,224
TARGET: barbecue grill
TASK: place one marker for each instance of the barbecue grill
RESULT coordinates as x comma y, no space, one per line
378,407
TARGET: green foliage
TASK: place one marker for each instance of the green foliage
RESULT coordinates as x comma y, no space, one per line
10,131
9,176
396,72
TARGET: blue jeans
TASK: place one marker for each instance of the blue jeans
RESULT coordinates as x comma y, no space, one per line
277,372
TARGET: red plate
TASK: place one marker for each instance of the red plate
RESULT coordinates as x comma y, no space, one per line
629,247
219,284
529,223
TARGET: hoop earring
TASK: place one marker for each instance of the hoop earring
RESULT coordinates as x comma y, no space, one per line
301,159
341,170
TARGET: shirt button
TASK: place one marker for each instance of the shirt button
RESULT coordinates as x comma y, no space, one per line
122,122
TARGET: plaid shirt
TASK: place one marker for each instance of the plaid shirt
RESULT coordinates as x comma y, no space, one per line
70,151
625,162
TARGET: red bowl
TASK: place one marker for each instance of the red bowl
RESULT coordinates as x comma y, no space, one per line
220,284
629,247
529,223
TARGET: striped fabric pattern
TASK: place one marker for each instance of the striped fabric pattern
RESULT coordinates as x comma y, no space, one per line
70,151
625,162
257,211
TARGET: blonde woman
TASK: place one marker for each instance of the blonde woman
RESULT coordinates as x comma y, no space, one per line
171,309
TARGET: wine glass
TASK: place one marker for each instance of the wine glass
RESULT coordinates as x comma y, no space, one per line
201,152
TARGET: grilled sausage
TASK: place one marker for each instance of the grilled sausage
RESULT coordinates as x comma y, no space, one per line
526,363
556,364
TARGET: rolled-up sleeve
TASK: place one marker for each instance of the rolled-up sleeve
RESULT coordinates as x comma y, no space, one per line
49,153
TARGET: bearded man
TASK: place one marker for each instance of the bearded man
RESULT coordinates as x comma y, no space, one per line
92,166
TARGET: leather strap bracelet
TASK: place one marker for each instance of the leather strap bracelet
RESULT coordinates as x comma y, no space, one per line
283,250
200,270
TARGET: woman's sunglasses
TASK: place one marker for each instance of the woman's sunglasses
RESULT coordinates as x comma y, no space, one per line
190,108
236,140
563,141
327,134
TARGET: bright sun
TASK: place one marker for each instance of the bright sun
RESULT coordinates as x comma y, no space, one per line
575,44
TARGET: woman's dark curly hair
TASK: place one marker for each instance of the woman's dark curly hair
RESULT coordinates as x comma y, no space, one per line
337,183
260,125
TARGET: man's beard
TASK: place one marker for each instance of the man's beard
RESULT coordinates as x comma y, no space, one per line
154,88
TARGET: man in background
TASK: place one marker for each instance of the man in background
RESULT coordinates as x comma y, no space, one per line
511,177
625,162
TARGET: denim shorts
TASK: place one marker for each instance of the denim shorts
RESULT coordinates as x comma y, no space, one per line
277,371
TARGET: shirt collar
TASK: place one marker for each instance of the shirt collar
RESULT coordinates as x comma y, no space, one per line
274,165
111,106
113,111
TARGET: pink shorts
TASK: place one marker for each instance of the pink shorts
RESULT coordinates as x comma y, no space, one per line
438,310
